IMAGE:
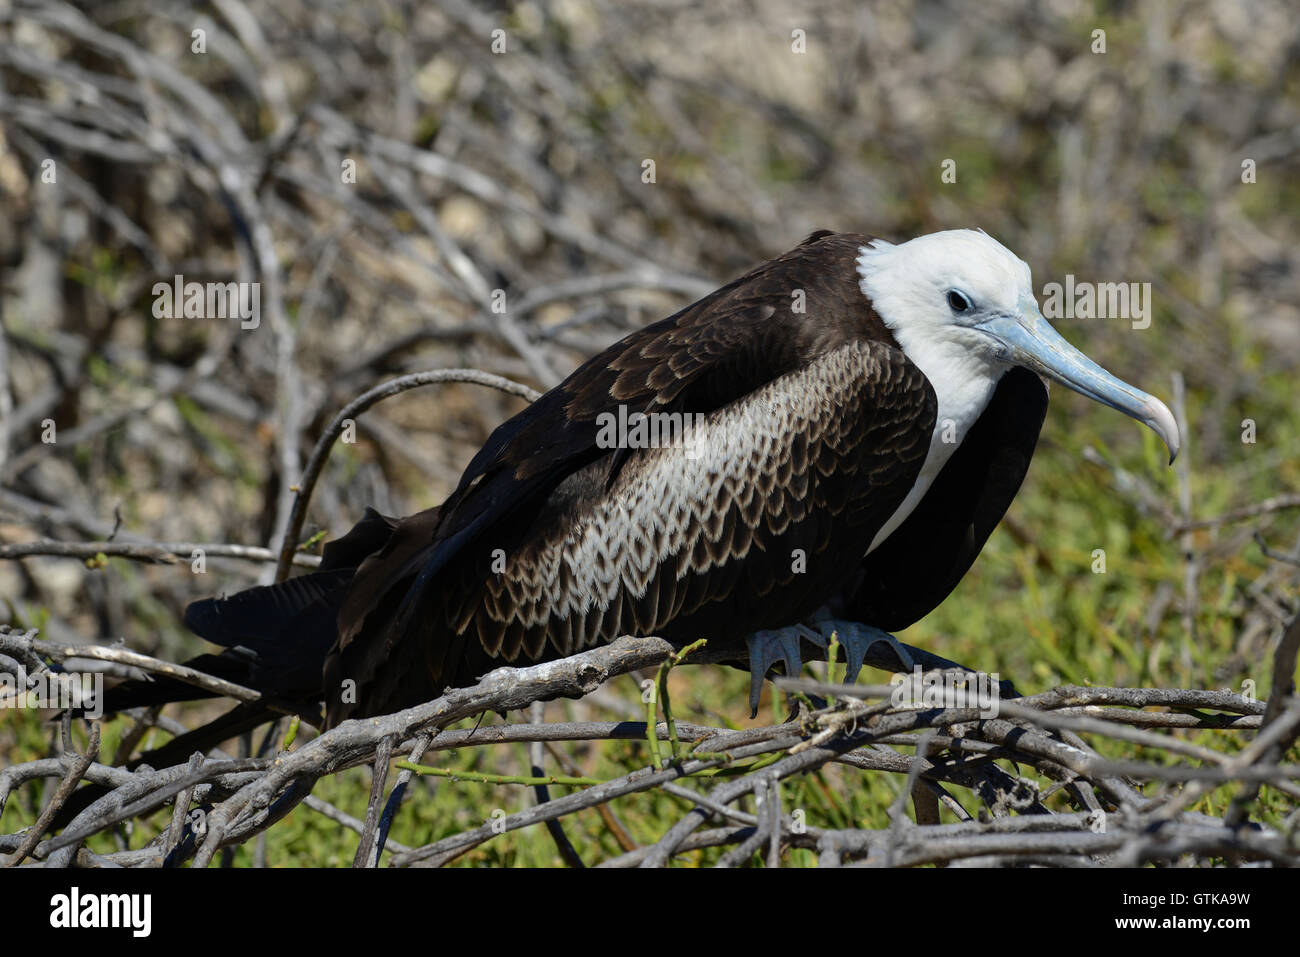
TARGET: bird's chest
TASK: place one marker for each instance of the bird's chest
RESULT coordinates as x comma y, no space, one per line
963,394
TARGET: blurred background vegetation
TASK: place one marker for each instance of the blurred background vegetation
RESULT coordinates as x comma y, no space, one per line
1169,158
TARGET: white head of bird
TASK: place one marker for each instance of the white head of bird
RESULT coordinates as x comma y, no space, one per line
961,305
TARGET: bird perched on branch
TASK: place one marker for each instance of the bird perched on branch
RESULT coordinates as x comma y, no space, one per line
847,424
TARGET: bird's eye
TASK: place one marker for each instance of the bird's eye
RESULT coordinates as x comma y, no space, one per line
958,302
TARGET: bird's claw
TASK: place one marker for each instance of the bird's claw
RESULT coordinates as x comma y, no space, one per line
856,639
768,647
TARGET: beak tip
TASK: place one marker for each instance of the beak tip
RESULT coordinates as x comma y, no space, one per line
1163,423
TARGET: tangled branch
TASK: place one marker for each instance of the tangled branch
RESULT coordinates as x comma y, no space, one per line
954,748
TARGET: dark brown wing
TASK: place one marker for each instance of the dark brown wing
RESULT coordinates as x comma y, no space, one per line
439,609
915,568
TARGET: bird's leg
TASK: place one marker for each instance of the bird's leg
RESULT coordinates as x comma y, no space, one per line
856,639
766,648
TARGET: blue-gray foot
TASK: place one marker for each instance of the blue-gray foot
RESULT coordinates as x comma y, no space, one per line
768,647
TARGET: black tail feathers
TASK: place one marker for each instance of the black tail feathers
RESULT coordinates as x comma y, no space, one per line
276,639
276,636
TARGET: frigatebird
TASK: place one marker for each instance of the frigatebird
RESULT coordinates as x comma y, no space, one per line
862,412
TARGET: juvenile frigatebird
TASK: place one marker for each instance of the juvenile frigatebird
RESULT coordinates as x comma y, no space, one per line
863,414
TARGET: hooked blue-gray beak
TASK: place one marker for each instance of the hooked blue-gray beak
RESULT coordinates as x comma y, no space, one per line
1028,340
